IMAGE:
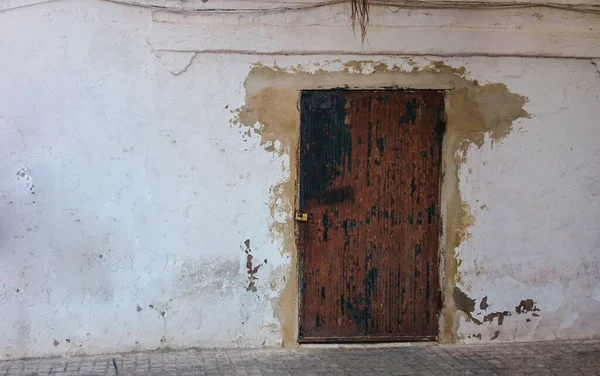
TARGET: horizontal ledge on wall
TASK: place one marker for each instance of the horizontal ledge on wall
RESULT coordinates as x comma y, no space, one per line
261,4
322,40
350,53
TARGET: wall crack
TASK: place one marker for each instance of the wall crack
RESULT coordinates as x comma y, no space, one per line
176,62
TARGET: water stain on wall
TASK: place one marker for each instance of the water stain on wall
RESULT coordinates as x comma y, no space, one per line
210,276
473,111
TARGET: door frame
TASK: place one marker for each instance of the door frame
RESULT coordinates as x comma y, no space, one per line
441,239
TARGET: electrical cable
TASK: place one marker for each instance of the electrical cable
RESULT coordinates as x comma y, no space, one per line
407,4
2,10
278,9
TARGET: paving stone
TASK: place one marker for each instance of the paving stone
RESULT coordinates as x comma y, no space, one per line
539,358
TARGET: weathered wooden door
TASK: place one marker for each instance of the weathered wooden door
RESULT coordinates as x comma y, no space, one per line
369,182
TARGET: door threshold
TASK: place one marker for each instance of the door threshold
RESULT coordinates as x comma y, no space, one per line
376,345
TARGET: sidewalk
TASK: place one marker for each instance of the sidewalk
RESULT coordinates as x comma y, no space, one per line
538,358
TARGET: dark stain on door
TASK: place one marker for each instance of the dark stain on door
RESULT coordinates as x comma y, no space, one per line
369,182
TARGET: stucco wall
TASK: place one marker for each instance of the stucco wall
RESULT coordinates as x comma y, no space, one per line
134,184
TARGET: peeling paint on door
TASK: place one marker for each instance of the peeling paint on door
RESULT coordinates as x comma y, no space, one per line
369,183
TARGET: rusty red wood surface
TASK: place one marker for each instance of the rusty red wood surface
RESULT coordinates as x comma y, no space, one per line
369,181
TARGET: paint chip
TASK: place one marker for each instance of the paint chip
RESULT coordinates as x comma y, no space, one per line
484,304
495,336
526,306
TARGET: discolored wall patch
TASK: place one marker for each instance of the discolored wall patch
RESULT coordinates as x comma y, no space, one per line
466,306
251,268
526,306
473,111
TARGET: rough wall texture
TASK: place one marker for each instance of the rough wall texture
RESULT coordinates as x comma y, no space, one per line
147,193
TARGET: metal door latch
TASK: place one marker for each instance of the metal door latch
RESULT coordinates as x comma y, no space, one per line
301,217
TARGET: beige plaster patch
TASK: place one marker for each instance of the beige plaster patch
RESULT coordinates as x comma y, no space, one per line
473,111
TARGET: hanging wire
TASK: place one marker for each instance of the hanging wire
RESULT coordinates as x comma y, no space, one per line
360,9
2,10
359,6
206,10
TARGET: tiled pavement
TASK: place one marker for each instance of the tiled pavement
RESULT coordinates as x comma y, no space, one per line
539,358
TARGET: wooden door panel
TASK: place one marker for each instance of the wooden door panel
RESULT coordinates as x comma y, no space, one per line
369,181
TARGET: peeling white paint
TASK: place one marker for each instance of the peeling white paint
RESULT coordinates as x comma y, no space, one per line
144,191
523,241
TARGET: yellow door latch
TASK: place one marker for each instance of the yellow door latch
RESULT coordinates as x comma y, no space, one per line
301,217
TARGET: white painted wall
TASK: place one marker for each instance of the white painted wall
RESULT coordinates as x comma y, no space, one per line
536,200
123,184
